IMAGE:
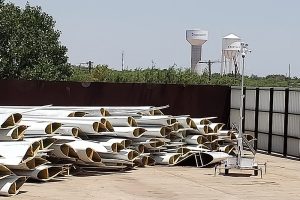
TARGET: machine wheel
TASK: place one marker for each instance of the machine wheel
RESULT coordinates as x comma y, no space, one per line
226,171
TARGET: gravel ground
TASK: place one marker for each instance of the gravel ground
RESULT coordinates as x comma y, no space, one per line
282,181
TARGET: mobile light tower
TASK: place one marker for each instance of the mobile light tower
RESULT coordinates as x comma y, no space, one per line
196,38
241,160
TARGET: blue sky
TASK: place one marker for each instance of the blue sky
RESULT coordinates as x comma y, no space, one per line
100,30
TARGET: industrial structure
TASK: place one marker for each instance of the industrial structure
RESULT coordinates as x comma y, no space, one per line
196,38
230,61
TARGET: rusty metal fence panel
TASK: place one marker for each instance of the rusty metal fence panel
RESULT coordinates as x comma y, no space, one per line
194,100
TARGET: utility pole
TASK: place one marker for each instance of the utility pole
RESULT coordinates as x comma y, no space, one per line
209,63
123,61
289,75
209,70
90,63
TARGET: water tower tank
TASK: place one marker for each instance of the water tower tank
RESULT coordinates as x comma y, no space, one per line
231,45
196,38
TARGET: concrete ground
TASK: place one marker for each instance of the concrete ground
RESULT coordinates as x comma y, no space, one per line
282,181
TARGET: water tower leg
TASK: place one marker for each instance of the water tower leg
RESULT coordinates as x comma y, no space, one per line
222,65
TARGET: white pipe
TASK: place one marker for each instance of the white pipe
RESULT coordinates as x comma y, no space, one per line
214,145
200,147
91,108
204,129
216,127
225,132
44,112
155,120
112,161
105,124
61,139
149,161
106,147
20,149
212,137
227,148
140,148
228,135
85,126
209,158
123,141
183,132
142,161
113,110
166,158
127,132
125,154
85,152
45,142
120,121
150,142
183,121
26,165
12,134
4,172
9,120
106,113
69,131
63,151
203,120
11,185
41,173
157,132
96,145
182,150
195,139
40,128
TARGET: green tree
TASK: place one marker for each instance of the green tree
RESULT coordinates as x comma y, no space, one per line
30,46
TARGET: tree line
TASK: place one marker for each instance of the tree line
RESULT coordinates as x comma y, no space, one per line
172,75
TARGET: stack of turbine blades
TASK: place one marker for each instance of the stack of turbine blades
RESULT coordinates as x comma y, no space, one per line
42,142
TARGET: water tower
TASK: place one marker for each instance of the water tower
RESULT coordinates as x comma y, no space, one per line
196,38
231,46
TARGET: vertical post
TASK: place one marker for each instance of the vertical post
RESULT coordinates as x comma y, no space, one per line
256,116
286,121
123,61
90,65
241,128
289,78
222,63
209,70
270,121
244,109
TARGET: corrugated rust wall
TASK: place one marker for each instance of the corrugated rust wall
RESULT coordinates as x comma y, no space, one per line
195,100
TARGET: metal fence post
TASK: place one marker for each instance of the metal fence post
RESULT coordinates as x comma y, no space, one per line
286,121
256,117
270,121
244,109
